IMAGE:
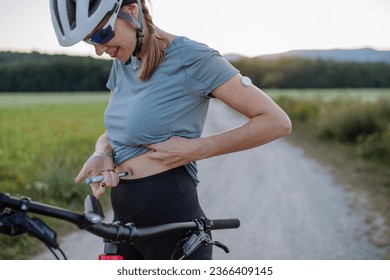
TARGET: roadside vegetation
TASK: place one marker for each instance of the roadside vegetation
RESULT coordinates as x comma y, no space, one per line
357,122
351,137
362,125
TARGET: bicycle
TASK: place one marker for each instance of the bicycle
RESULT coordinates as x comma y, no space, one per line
15,221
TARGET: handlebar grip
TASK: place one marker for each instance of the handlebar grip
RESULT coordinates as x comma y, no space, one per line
226,223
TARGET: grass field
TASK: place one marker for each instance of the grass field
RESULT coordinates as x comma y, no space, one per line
46,137
8,100
11,100
366,95
44,140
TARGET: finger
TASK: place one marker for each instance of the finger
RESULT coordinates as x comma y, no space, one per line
152,147
99,191
113,178
81,176
155,155
106,179
94,188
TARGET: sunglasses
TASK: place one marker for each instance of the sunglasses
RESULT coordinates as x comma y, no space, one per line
104,34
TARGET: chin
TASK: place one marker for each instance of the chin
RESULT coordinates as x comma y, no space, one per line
123,57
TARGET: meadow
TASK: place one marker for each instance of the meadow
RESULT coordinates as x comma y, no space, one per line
45,138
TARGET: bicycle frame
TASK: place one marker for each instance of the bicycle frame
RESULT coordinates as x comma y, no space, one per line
14,221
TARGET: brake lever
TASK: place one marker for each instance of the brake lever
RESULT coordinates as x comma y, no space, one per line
42,231
7,223
222,246
16,223
193,242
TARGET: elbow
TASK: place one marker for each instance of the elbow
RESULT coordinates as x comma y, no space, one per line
286,126
283,126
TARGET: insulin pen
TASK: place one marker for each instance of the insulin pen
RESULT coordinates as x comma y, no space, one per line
100,178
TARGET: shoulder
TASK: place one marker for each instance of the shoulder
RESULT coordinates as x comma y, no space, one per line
184,43
191,50
196,55
204,65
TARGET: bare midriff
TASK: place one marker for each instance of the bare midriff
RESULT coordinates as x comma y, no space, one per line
141,166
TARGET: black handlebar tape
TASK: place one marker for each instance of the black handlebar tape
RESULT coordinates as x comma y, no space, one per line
225,223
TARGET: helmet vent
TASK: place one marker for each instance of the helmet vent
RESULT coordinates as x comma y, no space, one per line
93,5
57,15
71,10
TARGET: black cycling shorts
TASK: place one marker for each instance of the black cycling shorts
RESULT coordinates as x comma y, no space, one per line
167,197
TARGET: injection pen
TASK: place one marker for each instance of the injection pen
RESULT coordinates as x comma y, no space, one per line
100,178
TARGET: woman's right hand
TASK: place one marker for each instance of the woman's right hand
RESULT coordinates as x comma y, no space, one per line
99,164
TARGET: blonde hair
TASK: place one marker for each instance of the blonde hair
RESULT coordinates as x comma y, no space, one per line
154,54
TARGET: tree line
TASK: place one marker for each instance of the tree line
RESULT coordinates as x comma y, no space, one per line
35,72
314,73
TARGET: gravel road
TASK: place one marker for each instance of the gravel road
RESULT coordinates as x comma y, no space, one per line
288,204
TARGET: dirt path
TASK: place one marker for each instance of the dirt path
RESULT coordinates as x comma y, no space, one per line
288,204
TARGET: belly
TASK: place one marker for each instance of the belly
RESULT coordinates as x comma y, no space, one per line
141,166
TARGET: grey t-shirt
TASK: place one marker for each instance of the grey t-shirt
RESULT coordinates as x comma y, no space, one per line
173,102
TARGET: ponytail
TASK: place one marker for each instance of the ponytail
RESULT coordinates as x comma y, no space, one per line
154,54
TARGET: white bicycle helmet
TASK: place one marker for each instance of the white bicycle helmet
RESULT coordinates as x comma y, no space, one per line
73,20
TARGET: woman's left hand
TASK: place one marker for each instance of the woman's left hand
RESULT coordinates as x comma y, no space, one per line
175,152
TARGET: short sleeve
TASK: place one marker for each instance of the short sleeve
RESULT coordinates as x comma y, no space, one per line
209,68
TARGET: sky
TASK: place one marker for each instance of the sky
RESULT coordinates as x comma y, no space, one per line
246,27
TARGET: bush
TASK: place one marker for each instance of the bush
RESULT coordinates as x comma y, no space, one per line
351,122
376,147
365,126
300,110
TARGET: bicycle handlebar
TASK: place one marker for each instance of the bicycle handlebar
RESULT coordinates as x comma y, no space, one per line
115,232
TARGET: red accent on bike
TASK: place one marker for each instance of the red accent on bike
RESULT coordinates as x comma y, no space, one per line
110,257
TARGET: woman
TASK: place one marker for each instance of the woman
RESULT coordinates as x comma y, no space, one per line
160,86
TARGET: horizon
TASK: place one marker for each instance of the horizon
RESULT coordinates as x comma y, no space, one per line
224,54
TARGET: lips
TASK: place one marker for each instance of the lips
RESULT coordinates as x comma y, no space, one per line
114,54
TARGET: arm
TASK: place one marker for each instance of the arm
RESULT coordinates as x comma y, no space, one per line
266,122
100,162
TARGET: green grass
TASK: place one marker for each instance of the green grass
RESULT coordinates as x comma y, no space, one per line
12,100
44,140
366,95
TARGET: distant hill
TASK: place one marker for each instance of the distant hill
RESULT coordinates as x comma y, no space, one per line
341,55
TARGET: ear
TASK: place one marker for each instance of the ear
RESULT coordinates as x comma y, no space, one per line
132,10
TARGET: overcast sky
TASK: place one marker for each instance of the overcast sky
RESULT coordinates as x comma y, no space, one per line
247,27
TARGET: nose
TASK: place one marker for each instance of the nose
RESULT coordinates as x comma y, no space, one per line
99,50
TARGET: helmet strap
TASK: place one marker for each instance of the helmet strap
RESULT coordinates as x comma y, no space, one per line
138,24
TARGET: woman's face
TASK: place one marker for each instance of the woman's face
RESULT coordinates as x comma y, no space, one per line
122,45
